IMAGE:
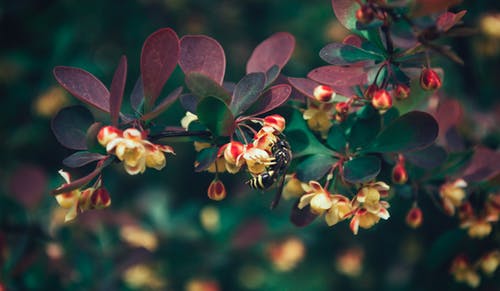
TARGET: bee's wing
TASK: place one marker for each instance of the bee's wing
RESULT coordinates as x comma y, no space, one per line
279,191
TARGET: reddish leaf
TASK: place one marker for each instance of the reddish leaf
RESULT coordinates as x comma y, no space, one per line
164,104
426,7
84,180
70,126
203,86
344,11
275,50
484,164
448,115
340,78
353,40
272,98
27,185
117,88
304,86
159,57
447,20
80,159
84,86
202,54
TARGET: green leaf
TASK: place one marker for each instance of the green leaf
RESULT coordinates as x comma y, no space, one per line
416,98
314,167
216,116
336,138
361,169
202,86
344,54
445,247
247,91
412,131
364,130
205,158
302,140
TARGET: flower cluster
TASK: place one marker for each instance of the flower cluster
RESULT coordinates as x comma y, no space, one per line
479,225
365,209
464,271
77,201
133,149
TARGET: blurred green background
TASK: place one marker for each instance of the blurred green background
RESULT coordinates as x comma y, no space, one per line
162,232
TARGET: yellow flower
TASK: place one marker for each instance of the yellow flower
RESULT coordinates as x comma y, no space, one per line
340,209
367,207
464,272
287,254
319,118
452,195
133,150
490,262
187,119
77,200
293,188
257,160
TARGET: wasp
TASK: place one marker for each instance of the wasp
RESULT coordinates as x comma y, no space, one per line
282,155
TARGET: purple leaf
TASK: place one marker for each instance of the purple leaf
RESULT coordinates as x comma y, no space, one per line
117,88
84,86
448,115
304,86
137,95
84,180
272,98
159,57
340,78
164,104
345,12
275,50
485,164
272,75
247,91
202,54
70,126
447,20
83,158
189,102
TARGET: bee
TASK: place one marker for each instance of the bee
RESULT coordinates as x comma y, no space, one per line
282,155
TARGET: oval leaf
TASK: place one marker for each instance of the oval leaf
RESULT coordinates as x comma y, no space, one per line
272,98
216,116
189,102
275,50
247,91
202,86
202,54
117,88
70,126
84,86
361,169
339,77
302,217
164,104
159,57
412,131
344,54
79,159
314,167
364,130
428,158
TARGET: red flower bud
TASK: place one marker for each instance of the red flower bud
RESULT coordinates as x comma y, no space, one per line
216,190
414,217
341,108
370,91
401,91
324,93
429,79
100,199
276,121
382,100
364,14
399,174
